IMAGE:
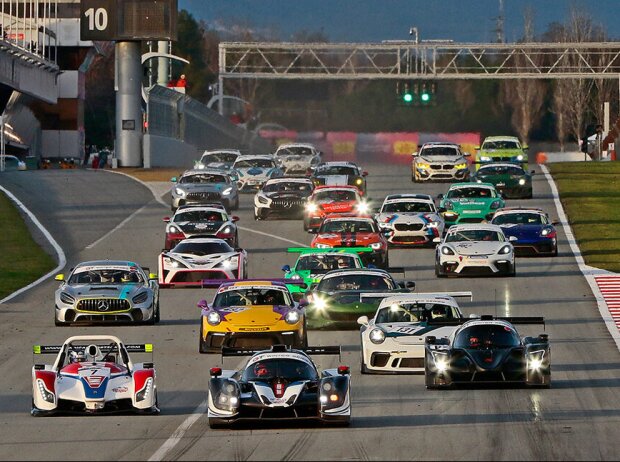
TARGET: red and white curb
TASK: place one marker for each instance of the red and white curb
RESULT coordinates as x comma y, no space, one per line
610,289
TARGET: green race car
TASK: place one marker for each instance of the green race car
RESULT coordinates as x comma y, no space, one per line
509,179
469,203
342,296
501,149
313,263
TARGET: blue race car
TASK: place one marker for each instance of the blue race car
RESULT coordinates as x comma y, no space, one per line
535,232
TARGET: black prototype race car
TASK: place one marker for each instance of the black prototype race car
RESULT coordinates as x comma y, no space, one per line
488,350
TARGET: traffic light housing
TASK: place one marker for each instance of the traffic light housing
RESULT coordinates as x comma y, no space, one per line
416,93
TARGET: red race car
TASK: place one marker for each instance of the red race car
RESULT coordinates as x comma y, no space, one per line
350,230
332,199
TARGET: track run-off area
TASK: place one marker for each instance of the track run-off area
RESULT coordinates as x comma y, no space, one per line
98,215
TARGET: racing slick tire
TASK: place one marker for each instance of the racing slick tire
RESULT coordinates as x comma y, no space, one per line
217,423
257,214
58,323
202,345
438,272
236,206
156,314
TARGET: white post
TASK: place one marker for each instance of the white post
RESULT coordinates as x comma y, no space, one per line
2,144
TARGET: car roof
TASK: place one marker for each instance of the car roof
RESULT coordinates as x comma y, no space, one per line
406,197
336,187
507,210
348,271
225,151
202,171
420,297
501,138
202,240
254,156
446,144
289,180
472,185
347,217
469,226
297,145
199,208
500,164
252,283
337,163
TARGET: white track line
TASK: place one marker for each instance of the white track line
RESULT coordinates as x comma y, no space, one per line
62,260
249,230
116,228
588,272
178,434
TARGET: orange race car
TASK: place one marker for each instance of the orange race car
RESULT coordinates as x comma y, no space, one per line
332,199
351,230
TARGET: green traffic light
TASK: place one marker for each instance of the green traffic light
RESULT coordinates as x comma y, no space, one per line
407,97
425,97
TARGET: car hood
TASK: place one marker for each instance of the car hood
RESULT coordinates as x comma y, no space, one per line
102,290
348,239
523,231
336,207
254,316
477,247
296,159
202,260
472,204
443,159
489,359
254,172
352,297
202,187
501,152
505,178
333,180
287,195
408,218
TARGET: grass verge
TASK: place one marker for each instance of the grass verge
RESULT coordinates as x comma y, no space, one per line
23,261
590,194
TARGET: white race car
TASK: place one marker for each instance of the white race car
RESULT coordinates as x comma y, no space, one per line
393,341
297,158
410,219
253,171
475,249
195,259
93,374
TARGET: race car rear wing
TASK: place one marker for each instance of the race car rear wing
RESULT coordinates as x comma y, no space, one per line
304,250
511,319
215,283
464,294
55,349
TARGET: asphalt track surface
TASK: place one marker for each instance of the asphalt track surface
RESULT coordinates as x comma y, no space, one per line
394,417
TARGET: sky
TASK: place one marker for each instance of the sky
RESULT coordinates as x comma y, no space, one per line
377,20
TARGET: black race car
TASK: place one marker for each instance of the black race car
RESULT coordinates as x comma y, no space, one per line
339,174
283,197
488,350
279,384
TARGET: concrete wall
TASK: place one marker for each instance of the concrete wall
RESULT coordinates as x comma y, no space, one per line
161,151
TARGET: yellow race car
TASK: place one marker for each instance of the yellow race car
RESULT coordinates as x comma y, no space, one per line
251,314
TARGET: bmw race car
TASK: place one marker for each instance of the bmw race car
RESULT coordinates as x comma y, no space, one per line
332,199
340,174
534,232
195,259
393,340
105,291
282,197
297,158
196,187
441,161
480,249
312,264
201,221
254,171
509,179
488,350
251,313
501,149
279,384
93,374
470,203
410,219
335,301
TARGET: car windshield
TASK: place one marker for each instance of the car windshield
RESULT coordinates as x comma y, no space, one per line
292,370
295,151
348,226
106,276
255,163
475,235
282,186
504,144
249,296
204,178
202,248
501,170
335,170
76,353
198,216
485,336
376,282
439,151
416,312
471,193
335,195
519,219
216,157
407,207
321,263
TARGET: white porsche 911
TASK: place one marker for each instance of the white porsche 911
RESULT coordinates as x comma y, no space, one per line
393,340
475,249
195,259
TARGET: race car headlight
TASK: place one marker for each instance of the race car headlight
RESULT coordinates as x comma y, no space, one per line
485,158
320,304
174,263
422,166
520,157
227,230
214,318
296,277
146,391
495,205
199,166
522,181
140,298
174,229
376,245
447,251
377,336
179,192
66,298
461,166
231,263
506,249
227,191
45,394
358,181
323,246
311,207
385,225
536,359
362,208
262,200
441,361
292,317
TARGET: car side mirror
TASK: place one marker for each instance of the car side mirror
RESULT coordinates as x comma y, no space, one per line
430,340
442,209
473,316
215,372
286,268
238,249
410,285
173,179
166,219
439,196
235,218
466,154
436,240
60,277
202,304
362,320
364,173
513,238
477,148
525,147
303,303
414,154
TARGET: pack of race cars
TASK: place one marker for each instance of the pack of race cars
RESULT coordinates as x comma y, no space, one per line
342,280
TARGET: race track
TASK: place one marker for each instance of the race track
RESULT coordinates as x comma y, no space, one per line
394,417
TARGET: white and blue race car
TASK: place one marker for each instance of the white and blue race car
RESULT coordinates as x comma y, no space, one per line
253,171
